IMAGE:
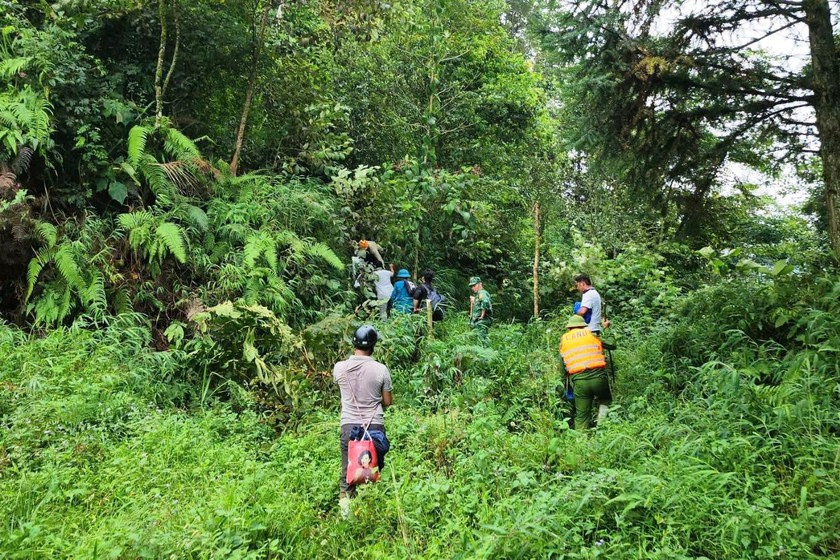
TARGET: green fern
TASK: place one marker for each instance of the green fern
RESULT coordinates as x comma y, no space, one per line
77,280
171,237
252,250
139,226
36,266
137,138
25,116
65,261
176,171
94,295
158,181
46,233
323,252
260,244
153,238
195,216
122,302
178,146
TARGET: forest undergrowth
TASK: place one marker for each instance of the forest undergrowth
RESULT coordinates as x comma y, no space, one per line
182,186
725,448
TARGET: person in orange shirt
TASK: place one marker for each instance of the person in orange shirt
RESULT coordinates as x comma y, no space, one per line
585,364
371,253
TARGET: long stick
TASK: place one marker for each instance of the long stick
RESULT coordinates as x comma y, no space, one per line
429,320
400,515
536,271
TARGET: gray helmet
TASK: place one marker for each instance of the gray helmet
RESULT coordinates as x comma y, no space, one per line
365,337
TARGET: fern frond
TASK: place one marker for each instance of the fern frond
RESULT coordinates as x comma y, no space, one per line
22,113
53,305
41,112
122,303
196,217
65,262
137,138
94,295
233,233
171,236
12,66
47,233
158,181
290,238
252,250
178,146
7,119
36,265
326,254
139,225
135,220
23,160
270,253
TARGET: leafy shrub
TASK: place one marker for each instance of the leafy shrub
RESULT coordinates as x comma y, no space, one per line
238,345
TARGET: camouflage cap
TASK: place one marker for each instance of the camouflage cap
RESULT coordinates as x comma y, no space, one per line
575,321
475,280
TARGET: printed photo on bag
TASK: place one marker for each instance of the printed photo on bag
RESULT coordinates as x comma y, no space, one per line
362,466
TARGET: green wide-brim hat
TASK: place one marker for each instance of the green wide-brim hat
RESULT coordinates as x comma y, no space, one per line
575,321
475,280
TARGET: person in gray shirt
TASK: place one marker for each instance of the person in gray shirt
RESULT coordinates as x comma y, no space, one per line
365,386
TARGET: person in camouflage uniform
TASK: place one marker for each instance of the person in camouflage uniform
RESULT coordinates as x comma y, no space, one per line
481,309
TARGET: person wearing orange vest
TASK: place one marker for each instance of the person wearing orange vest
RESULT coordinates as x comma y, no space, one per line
585,364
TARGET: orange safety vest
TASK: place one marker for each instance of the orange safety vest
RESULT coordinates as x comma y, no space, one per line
582,350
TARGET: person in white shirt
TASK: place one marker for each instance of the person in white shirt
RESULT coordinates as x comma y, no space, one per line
384,287
590,301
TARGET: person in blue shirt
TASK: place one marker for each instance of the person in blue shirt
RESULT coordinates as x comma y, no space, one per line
402,299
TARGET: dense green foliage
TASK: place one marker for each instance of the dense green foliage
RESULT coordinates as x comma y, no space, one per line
171,314
726,447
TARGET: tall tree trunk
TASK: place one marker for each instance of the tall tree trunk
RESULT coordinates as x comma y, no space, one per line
536,260
174,52
249,94
159,69
826,84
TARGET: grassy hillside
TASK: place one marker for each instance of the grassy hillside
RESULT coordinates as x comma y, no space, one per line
105,452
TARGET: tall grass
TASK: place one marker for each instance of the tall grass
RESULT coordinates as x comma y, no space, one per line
736,457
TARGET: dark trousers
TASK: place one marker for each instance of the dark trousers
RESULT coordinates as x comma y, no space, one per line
350,489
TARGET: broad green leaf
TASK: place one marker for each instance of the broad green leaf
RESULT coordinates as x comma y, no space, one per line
118,191
781,267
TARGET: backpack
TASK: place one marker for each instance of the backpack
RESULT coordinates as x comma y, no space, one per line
409,287
436,298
